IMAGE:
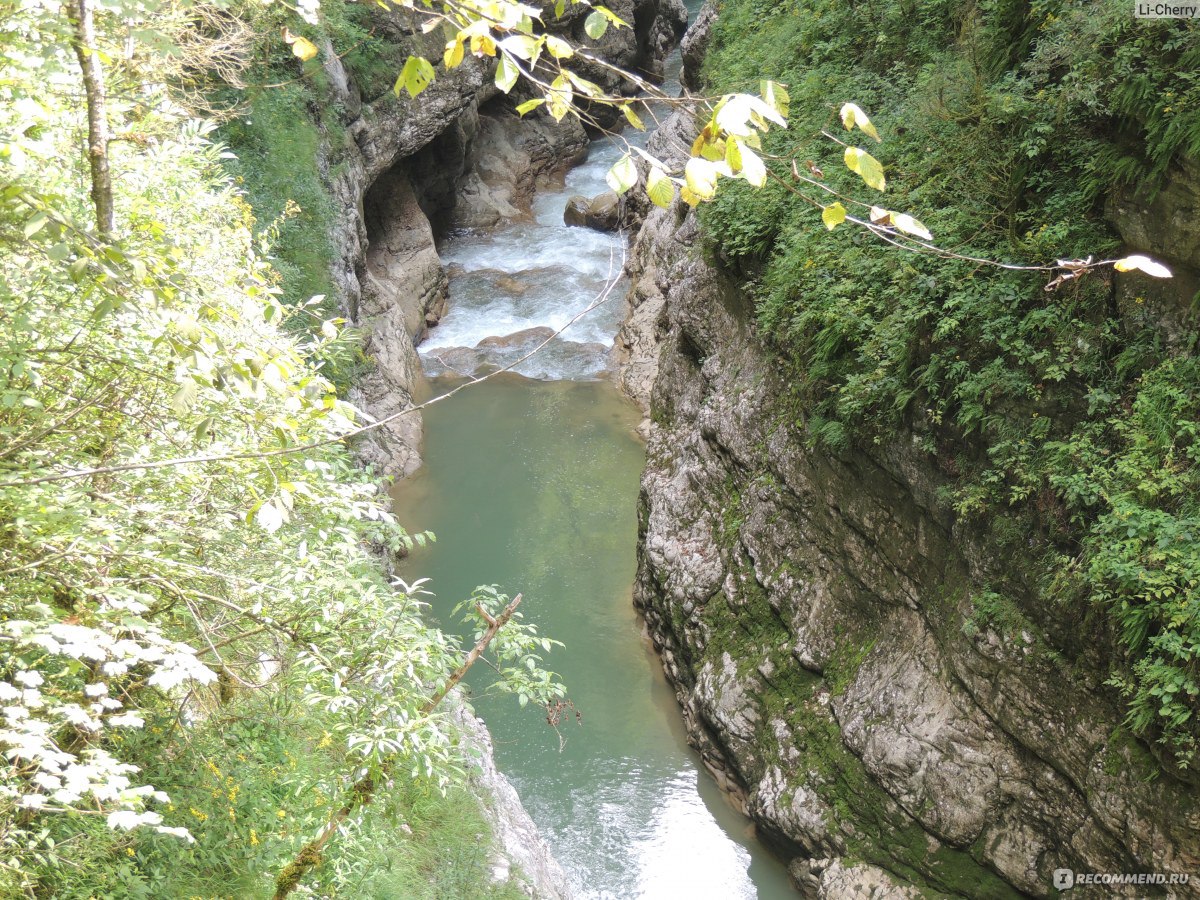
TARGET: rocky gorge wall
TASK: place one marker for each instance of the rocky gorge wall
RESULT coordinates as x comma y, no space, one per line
401,173
814,614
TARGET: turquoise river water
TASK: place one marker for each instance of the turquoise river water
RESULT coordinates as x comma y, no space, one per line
530,482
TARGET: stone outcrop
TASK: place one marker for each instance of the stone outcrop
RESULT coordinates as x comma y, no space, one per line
523,855
695,44
1166,224
602,212
817,614
506,161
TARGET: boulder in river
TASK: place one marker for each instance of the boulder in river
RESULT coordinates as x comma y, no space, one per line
602,212
522,341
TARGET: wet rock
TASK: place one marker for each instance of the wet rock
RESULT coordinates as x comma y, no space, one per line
602,212
1166,225
508,156
695,44
520,341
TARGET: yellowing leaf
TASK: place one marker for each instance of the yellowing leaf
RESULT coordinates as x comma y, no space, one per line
909,225
881,216
632,118
754,170
559,98
623,175
852,115
529,106
595,25
659,187
506,74
733,155
416,75
588,88
688,196
775,96
453,56
700,175
304,48
612,17
866,166
1142,264
483,44
833,215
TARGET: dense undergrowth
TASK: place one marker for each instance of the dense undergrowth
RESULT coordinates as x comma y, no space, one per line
1067,428
198,661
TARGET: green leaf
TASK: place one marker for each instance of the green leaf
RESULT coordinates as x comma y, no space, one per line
35,223
866,166
416,75
269,517
506,73
184,397
660,188
595,25
558,48
623,175
700,176
560,7
852,115
530,105
833,215
523,46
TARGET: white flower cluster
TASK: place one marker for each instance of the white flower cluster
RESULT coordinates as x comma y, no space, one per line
42,775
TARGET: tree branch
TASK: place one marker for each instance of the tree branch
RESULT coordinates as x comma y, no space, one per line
364,789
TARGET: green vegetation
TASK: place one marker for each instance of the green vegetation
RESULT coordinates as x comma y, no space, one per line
202,660
1005,125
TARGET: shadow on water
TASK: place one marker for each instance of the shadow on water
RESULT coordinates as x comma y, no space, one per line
533,486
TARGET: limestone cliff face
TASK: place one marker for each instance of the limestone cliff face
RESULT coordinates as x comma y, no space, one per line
813,613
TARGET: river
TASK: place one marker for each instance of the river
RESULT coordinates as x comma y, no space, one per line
530,482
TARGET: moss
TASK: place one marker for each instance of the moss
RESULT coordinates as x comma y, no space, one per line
1125,751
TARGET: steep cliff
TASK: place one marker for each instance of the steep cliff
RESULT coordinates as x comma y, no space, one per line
889,725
